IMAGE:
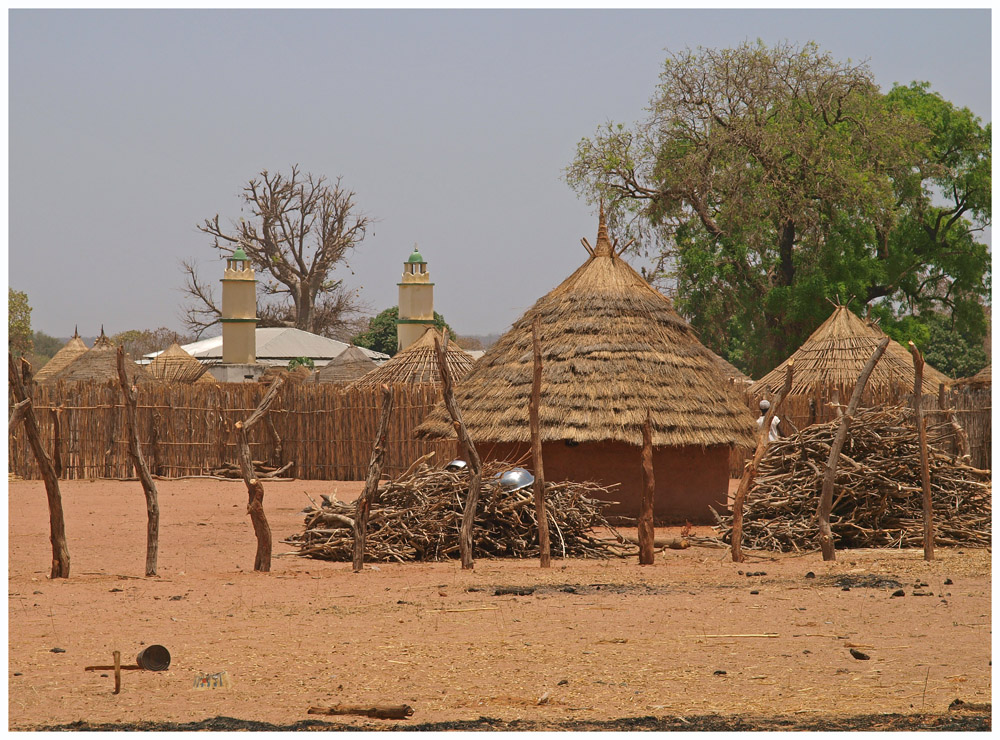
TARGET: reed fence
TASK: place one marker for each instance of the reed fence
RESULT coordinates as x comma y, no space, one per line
326,430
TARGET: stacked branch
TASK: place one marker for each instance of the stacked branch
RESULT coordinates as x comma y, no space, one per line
418,517
263,470
878,493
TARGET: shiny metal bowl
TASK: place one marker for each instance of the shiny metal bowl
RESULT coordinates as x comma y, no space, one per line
515,479
456,465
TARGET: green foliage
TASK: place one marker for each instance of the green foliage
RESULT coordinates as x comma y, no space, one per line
138,342
953,348
297,362
789,179
381,333
18,323
46,346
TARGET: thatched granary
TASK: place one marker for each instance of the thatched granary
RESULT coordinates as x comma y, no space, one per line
346,367
69,352
612,348
418,364
174,365
831,359
100,363
972,401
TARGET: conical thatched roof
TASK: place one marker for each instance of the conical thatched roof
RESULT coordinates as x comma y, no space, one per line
69,352
835,354
174,365
418,364
348,366
100,363
612,347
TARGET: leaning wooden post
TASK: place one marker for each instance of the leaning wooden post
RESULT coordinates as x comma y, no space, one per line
57,441
367,496
826,498
19,381
646,533
139,463
255,490
750,471
544,553
472,457
925,473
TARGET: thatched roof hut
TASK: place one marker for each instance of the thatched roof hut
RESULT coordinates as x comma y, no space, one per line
832,359
100,363
346,367
613,349
972,401
69,352
418,364
174,365
982,378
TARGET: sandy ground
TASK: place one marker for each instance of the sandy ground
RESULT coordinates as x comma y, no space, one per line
685,638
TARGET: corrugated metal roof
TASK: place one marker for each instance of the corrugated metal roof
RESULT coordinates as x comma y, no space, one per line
280,344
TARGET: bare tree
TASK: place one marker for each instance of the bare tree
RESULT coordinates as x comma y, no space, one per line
301,227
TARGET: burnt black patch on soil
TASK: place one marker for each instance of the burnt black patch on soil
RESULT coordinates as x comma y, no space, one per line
580,589
868,580
951,722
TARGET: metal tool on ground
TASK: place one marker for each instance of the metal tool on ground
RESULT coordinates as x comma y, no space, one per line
151,658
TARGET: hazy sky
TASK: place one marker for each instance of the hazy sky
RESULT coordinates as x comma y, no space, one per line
128,128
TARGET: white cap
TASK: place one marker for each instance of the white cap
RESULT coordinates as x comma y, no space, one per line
765,405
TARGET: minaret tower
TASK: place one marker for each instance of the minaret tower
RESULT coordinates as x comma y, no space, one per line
416,301
239,310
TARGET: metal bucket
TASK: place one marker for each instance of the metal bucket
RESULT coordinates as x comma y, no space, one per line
154,658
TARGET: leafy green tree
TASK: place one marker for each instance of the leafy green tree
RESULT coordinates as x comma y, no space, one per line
766,179
297,362
44,349
138,342
947,345
381,333
18,323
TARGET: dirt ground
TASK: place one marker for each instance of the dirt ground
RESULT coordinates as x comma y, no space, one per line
692,642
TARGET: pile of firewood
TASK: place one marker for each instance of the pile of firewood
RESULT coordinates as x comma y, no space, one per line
418,516
877,498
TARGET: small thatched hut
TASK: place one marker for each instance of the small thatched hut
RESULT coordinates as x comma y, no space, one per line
100,363
831,359
346,367
69,352
174,365
418,364
613,350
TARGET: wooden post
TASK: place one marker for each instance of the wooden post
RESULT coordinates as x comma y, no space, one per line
541,516
646,533
19,381
750,471
368,496
139,463
472,457
925,473
57,465
961,440
826,498
255,491
117,657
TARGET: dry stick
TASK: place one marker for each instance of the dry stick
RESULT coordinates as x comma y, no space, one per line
826,498
385,711
646,534
255,491
536,450
57,524
925,473
139,463
472,457
117,656
961,440
367,497
750,471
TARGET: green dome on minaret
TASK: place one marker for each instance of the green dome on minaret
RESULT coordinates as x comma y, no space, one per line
416,257
239,254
